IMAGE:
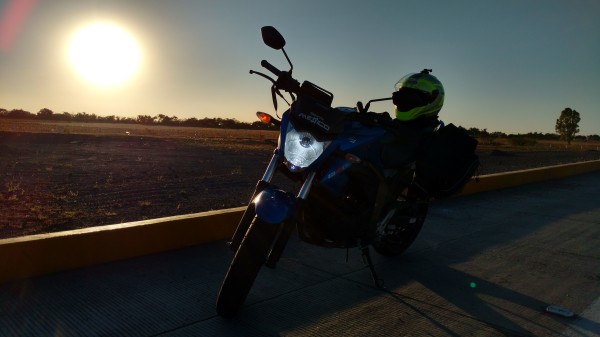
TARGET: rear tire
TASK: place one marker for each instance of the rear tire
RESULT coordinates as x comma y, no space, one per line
402,230
244,267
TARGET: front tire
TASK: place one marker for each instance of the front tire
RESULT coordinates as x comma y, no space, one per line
244,267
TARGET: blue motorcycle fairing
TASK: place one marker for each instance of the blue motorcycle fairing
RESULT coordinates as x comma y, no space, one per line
357,134
363,142
359,140
334,177
274,206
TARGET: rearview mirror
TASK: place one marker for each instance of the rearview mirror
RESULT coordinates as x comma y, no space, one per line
272,38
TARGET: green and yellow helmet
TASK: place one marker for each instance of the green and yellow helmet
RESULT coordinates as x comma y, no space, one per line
418,95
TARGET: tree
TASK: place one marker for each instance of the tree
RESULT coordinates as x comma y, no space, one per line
567,125
107,119
45,113
145,119
166,120
19,114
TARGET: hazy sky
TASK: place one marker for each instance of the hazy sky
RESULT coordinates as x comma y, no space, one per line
509,66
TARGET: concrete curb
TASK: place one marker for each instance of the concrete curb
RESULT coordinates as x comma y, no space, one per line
511,179
35,255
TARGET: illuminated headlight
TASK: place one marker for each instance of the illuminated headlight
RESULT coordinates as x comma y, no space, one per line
301,148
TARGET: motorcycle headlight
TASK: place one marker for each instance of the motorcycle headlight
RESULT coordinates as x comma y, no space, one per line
301,148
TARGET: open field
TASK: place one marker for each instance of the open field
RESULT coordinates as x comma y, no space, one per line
136,130
60,176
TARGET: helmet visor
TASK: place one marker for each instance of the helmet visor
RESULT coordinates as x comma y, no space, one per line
406,99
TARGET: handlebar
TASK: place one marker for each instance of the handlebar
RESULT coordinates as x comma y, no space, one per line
270,67
284,80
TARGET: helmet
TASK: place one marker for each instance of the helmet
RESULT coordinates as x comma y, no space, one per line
418,95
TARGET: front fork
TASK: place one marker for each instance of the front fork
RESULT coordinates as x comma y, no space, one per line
249,213
286,227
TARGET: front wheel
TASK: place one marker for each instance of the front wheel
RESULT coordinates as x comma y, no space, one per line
395,234
249,258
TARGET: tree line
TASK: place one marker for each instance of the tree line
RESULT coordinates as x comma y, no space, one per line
484,134
566,125
161,119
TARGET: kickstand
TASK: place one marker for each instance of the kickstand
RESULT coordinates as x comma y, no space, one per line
367,259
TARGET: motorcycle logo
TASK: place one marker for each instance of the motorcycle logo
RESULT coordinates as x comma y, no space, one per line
315,120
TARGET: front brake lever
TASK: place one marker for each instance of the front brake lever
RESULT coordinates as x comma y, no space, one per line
252,72
273,91
280,95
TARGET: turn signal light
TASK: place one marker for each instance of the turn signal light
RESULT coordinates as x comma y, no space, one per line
264,117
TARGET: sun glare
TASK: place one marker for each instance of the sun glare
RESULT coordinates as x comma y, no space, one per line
104,54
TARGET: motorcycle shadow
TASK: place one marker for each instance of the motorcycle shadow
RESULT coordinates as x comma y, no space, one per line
473,268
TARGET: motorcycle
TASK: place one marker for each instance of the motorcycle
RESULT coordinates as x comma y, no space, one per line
348,195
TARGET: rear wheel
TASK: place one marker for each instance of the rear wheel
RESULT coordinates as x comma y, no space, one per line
244,267
396,233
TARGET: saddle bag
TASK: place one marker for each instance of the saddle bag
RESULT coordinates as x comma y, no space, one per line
446,164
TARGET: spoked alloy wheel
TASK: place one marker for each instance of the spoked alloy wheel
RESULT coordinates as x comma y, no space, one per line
249,258
395,234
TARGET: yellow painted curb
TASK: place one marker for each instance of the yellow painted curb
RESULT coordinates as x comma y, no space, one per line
35,255
510,179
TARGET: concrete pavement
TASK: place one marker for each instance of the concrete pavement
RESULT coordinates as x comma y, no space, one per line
485,265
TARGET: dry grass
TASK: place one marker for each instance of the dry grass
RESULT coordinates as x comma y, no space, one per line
112,129
537,145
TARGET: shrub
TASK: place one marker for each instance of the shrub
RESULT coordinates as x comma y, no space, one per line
522,141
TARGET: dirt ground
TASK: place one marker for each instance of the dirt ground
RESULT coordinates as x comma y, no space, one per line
53,182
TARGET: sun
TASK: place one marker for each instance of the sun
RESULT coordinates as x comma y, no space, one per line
104,54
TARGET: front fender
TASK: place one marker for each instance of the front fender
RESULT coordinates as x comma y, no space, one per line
274,206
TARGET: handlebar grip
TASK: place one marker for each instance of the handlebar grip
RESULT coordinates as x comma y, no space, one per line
270,67
360,107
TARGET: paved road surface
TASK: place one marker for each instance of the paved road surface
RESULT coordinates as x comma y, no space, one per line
485,265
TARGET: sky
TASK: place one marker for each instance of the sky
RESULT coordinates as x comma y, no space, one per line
506,65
